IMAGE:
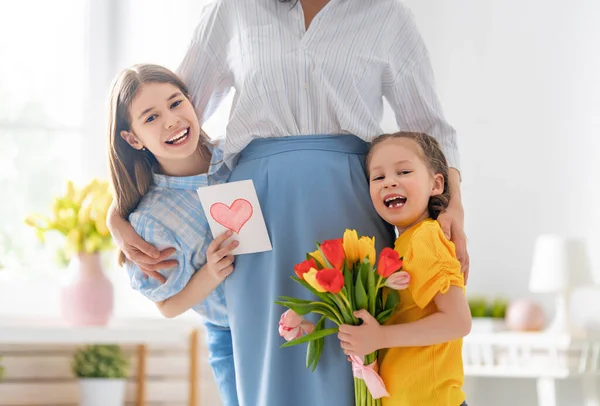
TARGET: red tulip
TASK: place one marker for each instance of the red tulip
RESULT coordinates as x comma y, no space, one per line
389,262
334,252
304,266
332,280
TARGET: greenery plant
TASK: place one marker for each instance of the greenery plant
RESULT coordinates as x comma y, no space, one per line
100,361
481,307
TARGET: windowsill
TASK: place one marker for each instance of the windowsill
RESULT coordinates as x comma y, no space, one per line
35,294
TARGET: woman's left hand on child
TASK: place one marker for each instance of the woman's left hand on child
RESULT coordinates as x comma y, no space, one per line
361,340
452,223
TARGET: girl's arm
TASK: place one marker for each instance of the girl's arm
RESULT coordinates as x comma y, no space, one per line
219,264
450,322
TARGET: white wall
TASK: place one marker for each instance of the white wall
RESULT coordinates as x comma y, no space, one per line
524,94
520,81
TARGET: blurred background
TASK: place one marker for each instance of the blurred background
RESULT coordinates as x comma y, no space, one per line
519,80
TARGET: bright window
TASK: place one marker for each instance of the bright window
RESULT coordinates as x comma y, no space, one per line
42,102
57,60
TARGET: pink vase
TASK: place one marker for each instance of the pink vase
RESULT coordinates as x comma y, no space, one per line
86,297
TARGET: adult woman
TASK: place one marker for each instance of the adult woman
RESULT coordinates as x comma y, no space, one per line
307,75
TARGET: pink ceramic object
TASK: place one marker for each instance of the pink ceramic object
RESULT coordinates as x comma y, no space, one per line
86,297
524,315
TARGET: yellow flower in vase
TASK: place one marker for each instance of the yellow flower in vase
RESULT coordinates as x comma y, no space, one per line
80,215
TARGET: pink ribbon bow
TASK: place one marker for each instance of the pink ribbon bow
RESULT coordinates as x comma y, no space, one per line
368,373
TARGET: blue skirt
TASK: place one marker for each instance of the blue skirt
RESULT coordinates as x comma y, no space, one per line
310,188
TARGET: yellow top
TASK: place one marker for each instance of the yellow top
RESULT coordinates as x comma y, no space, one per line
432,375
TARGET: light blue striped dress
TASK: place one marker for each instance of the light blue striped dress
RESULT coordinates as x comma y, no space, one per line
170,215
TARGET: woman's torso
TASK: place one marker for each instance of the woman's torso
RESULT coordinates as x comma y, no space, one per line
328,79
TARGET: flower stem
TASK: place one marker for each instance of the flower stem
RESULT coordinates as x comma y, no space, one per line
351,310
335,312
348,317
336,321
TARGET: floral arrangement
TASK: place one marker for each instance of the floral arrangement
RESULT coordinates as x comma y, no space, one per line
100,361
342,275
79,215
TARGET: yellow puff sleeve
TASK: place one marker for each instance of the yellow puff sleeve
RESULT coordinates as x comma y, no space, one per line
431,262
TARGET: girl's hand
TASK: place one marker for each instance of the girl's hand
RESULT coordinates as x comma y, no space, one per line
219,262
145,256
452,223
361,340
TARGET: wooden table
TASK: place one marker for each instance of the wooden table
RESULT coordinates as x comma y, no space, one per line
138,332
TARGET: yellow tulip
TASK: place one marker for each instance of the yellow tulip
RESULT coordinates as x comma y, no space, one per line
311,278
92,243
70,191
57,205
84,192
36,221
350,243
366,249
84,214
74,241
101,226
101,206
318,257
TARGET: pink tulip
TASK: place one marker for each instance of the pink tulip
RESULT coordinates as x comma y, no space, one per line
292,325
307,327
398,280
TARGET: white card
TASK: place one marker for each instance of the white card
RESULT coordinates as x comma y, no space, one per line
234,206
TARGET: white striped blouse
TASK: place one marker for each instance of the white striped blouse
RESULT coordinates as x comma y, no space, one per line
329,79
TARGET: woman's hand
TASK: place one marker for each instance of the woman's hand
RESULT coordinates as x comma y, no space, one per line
147,257
452,221
219,261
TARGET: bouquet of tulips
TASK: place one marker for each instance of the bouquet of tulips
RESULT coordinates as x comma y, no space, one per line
79,215
342,275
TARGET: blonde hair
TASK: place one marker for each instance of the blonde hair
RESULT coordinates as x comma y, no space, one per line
131,169
433,157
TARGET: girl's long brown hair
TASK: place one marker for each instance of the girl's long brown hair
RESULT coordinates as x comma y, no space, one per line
433,157
131,169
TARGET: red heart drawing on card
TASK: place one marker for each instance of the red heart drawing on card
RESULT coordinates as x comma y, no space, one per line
232,217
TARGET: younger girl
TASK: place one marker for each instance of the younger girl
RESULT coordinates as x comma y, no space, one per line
158,157
421,361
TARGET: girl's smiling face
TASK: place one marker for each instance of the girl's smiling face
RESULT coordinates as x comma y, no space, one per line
163,121
401,183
